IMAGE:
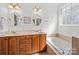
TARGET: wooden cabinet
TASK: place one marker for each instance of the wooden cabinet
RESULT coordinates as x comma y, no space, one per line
25,45
42,42
13,45
75,46
3,46
20,45
35,43
28,44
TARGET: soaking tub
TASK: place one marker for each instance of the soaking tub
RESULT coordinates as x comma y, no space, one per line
59,46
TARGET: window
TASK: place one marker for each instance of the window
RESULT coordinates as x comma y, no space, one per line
69,14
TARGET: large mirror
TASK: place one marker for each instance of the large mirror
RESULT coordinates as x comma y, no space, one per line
37,21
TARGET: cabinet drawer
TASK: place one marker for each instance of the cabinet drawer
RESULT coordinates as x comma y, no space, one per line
25,49
25,45
24,41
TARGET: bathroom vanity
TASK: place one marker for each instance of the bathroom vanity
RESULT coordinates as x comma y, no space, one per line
22,44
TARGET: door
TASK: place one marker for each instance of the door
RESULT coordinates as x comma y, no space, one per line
13,46
35,43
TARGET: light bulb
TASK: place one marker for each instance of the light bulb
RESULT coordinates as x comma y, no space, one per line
17,7
10,6
35,10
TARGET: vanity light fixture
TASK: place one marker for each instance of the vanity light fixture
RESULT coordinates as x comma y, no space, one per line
14,6
37,10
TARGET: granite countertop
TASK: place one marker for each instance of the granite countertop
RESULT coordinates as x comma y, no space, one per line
13,33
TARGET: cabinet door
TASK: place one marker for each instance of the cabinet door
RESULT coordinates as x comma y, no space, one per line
25,45
28,44
35,43
3,46
42,42
13,45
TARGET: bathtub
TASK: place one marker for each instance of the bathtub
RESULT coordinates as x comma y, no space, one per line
59,46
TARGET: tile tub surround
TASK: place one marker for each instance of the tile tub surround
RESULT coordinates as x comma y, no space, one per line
62,36
59,45
65,37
